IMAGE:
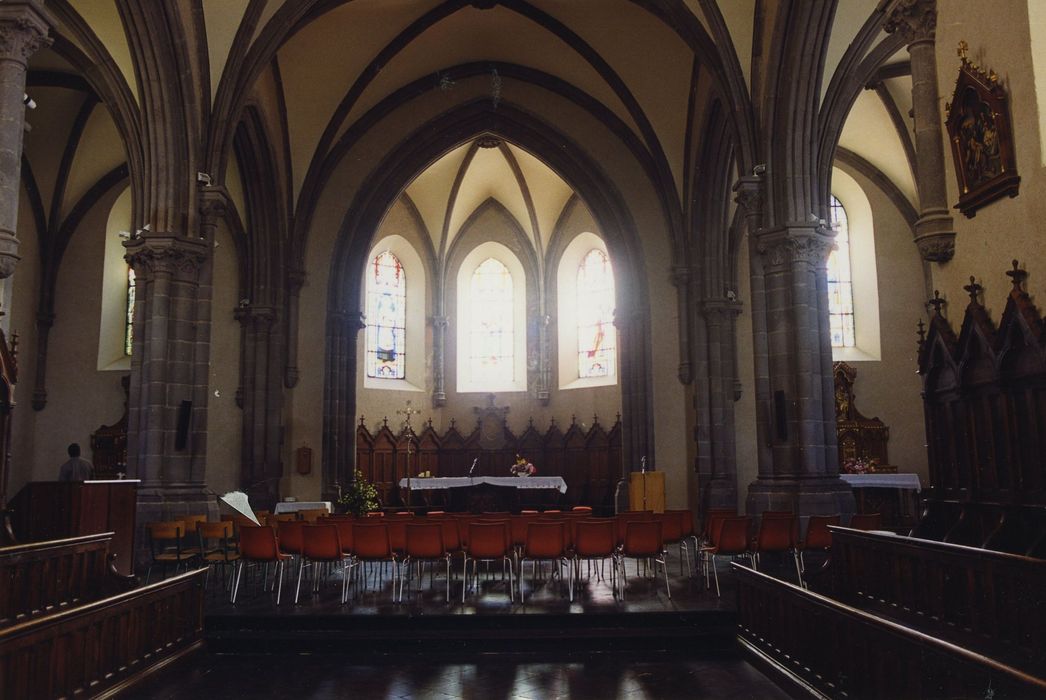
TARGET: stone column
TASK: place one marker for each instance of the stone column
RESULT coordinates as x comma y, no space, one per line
681,277
439,353
295,280
23,30
171,321
721,489
805,471
339,428
916,20
44,323
750,197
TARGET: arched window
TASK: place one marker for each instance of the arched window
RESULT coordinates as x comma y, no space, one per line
596,335
128,331
491,325
840,282
386,317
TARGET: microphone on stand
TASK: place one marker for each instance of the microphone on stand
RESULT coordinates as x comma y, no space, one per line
473,467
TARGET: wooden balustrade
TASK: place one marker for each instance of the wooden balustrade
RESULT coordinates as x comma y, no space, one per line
105,646
41,577
985,600
839,651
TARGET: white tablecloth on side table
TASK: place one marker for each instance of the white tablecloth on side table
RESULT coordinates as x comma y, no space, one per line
454,482
295,506
908,482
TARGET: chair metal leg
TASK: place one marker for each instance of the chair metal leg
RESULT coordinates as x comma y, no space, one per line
798,569
715,572
279,584
297,589
664,568
236,586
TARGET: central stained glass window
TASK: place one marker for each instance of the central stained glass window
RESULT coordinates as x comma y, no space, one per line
491,331
596,334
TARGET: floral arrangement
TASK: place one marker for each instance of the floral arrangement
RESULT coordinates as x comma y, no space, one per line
359,497
861,465
522,467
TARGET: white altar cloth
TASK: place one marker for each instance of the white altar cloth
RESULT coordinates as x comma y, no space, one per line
453,482
908,482
295,506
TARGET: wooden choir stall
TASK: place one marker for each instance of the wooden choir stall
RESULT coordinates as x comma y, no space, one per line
589,460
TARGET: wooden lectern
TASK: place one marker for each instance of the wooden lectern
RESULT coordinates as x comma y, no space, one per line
646,491
52,510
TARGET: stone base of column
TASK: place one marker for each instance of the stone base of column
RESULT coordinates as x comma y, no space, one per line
169,503
806,496
720,493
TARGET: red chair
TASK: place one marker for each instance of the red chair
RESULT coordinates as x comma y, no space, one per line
733,541
643,540
546,541
258,545
424,542
672,532
867,521
818,537
488,541
370,544
778,532
595,540
581,509
322,545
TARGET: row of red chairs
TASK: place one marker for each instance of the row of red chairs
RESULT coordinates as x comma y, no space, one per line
512,540
728,534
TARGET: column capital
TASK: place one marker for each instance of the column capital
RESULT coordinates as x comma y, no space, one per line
439,321
681,275
749,193
802,244
214,202
23,30
166,254
916,20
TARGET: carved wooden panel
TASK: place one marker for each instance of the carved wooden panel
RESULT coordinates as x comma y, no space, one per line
588,460
860,438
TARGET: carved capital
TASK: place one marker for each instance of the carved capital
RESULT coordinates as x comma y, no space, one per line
214,204
936,247
166,254
9,256
915,20
352,321
681,276
809,246
440,322
23,30
748,193
295,280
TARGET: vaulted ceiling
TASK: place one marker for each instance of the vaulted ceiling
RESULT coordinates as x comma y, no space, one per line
316,70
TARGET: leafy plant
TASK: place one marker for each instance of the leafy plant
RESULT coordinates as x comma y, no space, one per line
359,497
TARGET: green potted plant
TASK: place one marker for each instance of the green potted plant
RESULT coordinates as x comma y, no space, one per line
359,497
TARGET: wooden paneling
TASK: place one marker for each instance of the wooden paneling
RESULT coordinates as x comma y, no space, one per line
105,645
988,601
984,393
43,577
588,460
841,651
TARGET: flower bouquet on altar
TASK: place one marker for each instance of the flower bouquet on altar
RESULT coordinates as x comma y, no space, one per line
522,467
861,465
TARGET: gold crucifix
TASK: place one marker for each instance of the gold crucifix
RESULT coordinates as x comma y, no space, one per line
408,411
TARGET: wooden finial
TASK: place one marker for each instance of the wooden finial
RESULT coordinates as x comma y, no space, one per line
453,421
573,419
595,419
1017,276
921,332
937,302
963,49
361,420
973,289
385,421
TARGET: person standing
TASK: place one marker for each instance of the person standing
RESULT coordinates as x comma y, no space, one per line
76,468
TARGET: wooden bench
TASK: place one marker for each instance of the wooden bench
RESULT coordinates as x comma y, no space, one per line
105,646
41,577
824,647
989,601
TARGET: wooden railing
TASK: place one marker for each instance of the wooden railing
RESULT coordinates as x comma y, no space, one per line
41,577
841,652
103,646
985,600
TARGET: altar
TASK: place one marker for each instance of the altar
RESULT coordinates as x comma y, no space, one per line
482,493
895,496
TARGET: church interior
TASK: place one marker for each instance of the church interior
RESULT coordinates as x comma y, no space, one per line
715,261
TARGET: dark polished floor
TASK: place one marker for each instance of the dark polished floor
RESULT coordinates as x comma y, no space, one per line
645,645
321,676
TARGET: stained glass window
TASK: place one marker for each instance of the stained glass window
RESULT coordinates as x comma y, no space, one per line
596,335
491,330
386,317
840,282
128,332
